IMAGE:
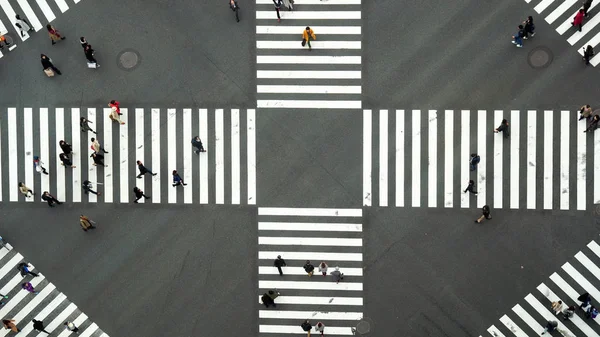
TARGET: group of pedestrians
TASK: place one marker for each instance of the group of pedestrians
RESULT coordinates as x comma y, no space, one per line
567,312
337,276
526,29
593,121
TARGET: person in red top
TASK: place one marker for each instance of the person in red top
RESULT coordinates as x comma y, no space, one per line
115,106
578,20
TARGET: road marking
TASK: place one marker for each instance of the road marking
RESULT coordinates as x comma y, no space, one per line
465,145
309,89
416,158
316,2
541,309
587,27
432,163
76,143
548,158
58,320
565,287
449,158
16,299
531,162
203,127
383,158
582,281
552,297
310,226
44,150
564,159
581,166
367,156
108,157
566,25
311,74
187,156
317,300
139,148
543,5
310,15
303,59
309,241
344,212
251,155
399,154
13,155
560,10
10,13
124,158
515,153
28,149
46,10
526,317
297,30
481,170
313,44
309,104
303,256
92,170
594,247
156,155
294,271
219,158
62,5
498,161
30,15
318,315
596,168
41,315
235,157
587,263
293,329
89,331
172,153
78,322
512,327
59,116
309,285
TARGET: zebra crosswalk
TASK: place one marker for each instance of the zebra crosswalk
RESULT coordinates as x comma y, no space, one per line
333,236
159,138
48,305
290,76
575,278
547,162
560,14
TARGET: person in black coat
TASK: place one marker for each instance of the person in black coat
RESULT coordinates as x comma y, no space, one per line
50,199
503,128
197,143
89,55
587,54
66,161
139,194
278,263
46,63
143,170
485,214
98,159
65,147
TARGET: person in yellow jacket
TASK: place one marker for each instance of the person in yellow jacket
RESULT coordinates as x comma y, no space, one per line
307,35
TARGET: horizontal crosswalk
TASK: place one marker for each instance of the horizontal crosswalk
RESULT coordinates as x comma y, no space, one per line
528,318
49,305
159,138
333,236
415,158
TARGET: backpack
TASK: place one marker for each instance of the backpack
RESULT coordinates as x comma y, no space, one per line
476,160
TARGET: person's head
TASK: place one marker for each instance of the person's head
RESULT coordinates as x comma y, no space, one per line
596,117
319,324
21,184
337,268
93,139
530,18
61,142
49,26
559,302
307,261
504,121
18,17
36,158
5,321
279,256
323,264
471,182
44,56
81,119
520,26
271,292
473,155
581,11
139,162
113,102
587,106
174,172
82,40
307,28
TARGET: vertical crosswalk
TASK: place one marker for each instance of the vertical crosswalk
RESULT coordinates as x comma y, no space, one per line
290,76
316,234
546,154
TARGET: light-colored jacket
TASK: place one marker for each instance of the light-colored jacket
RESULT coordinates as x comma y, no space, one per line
323,269
96,146
586,112
557,307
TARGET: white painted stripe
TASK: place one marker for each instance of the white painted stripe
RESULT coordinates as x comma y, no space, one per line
89,330
59,116
531,158
515,153
566,25
416,158
316,2
564,159
44,153
579,323
449,158
46,10
581,166
383,158
309,226
310,285
465,154
543,5
62,5
187,156
432,162
59,320
367,157
582,281
345,212
42,314
594,247
30,15
124,158
251,155
20,295
297,30
565,287
318,300
270,270
587,263
303,256
309,89
593,42
318,315
139,148
303,59
16,281
309,104
235,157
311,15
13,155
3,29
526,317
76,1
548,158
172,153
30,163
203,127
78,321
313,45
311,74
498,162
481,170
309,241
156,155
544,312
10,265
108,157
92,170
295,329
10,13
28,151
399,154
77,156
3,252
588,25
511,326
219,158
560,10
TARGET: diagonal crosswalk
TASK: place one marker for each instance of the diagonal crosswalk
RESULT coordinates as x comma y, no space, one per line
159,138
415,158
49,304
290,76
528,318
316,234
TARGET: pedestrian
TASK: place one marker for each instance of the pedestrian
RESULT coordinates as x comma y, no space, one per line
71,327
114,105
485,214
233,4
557,307
277,7
587,54
38,165
96,147
39,326
143,170
177,180
475,159
86,223
306,326
273,294
289,4
29,287
83,42
278,263
585,299
48,66
139,194
470,187
309,268
585,112
114,116
337,275
529,27
65,161
320,327
197,143
84,124
503,128
323,268
591,312
518,37
98,159
89,55
87,187
65,147
593,125
267,300
586,7
22,25
26,191
307,35
550,326
23,267
10,324
578,20
54,34
50,199
568,312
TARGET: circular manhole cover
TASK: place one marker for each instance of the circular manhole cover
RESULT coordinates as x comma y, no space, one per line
540,57
363,327
128,59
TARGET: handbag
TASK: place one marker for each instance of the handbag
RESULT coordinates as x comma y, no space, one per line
303,42
92,65
49,72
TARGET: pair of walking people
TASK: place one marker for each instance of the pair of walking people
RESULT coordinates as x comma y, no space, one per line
523,31
287,3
